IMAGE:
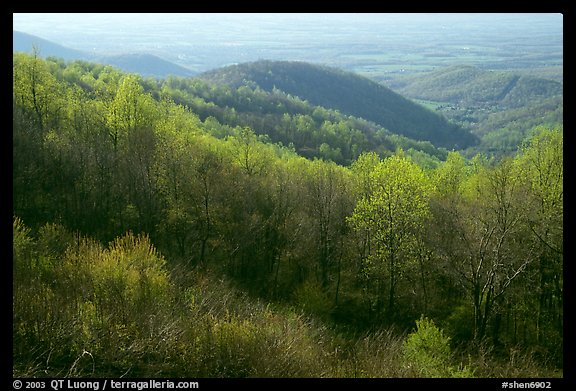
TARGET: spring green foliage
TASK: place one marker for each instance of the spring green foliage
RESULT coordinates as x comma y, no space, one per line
427,352
145,245
311,129
392,215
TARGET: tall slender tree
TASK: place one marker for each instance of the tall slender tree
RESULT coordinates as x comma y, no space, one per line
393,214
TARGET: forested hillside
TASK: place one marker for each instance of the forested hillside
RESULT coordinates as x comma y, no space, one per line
499,107
152,239
349,93
471,86
312,131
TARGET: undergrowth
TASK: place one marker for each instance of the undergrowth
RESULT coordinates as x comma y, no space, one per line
86,310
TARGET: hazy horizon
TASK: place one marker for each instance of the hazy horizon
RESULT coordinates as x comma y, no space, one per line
353,41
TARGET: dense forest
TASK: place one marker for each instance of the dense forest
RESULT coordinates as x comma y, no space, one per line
349,93
159,233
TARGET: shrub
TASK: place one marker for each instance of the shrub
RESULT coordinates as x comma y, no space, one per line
427,352
21,241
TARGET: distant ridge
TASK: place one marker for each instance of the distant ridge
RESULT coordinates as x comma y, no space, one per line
349,93
23,42
146,65
143,64
468,85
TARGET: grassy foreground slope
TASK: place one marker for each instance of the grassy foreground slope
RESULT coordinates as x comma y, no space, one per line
82,309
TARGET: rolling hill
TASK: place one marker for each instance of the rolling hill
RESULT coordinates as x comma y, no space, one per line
146,65
349,93
499,107
143,64
471,86
22,42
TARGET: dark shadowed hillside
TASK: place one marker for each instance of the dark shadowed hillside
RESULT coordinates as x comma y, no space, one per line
349,93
